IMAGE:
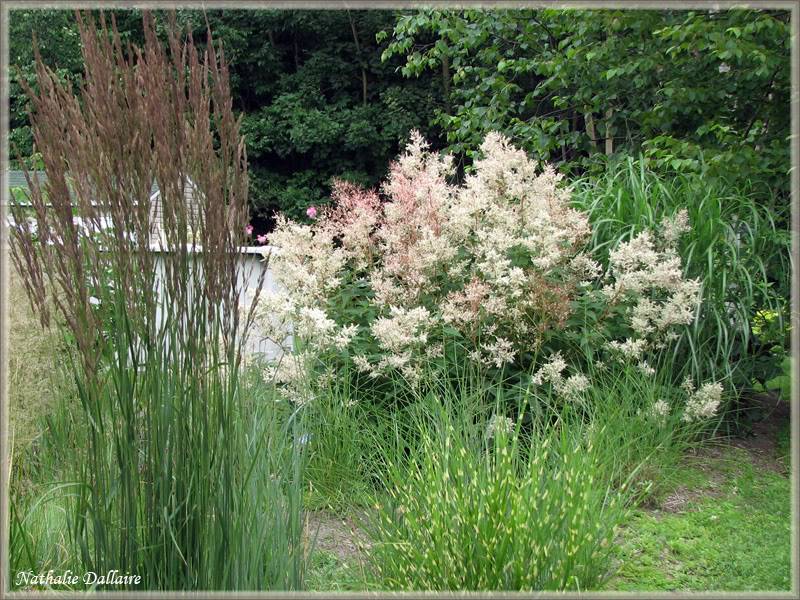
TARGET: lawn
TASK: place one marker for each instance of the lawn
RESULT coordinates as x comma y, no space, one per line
727,528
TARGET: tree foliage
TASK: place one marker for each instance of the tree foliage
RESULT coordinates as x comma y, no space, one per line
703,91
327,93
316,98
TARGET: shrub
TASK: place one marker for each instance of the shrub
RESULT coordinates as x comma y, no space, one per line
736,249
498,270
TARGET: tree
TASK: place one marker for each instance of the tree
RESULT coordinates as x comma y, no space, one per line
55,34
318,102
694,90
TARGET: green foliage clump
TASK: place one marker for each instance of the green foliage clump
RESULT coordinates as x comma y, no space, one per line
501,511
488,487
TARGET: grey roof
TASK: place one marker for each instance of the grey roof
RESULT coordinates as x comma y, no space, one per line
16,179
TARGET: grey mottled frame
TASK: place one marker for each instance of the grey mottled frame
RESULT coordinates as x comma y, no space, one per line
791,5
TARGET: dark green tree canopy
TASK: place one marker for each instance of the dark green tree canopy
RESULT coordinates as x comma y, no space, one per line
318,101
334,93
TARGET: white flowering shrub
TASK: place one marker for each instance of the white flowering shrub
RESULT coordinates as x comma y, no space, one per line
497,267
702,403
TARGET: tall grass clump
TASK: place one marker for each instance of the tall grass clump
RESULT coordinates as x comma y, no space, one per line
642,424
483,491
737,248
187,482
339,428
485,504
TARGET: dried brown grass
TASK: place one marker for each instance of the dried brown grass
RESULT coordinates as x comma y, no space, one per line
37,380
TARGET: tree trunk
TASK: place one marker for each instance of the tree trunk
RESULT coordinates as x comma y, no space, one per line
590,130
609,138
360,59
446,80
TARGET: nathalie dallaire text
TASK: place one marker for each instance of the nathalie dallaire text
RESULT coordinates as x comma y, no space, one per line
29,578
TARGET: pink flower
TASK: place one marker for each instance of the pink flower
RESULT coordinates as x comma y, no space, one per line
311,211
262,239
249,229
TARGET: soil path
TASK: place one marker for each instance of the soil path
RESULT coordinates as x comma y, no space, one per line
340,535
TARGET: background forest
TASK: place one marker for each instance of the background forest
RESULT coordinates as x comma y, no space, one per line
335,93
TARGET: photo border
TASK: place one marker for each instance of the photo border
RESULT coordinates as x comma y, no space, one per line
793,6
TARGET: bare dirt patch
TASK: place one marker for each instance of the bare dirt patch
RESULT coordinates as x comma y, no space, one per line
342,536
717,461
761,445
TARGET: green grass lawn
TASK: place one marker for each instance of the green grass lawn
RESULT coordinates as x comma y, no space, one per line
328,572
732,533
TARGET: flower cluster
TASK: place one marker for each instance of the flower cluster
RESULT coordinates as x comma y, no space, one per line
499,425
659,411
307,268
498,263
403,335
645,275
569,388
702,403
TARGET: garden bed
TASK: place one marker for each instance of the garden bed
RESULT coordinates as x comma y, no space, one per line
490,372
